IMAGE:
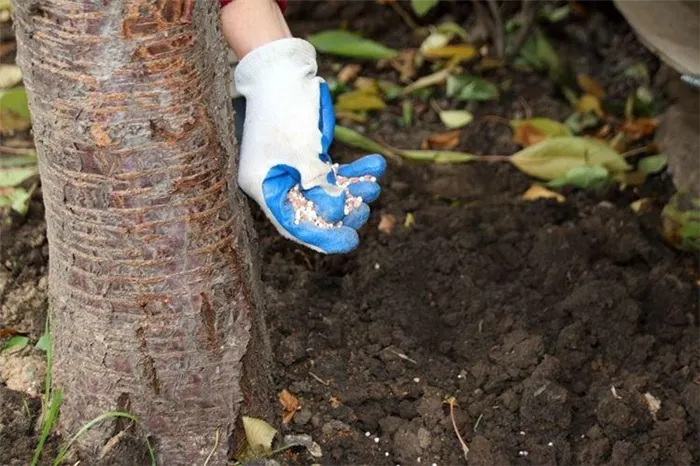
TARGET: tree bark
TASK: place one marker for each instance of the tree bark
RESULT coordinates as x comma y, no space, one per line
154,291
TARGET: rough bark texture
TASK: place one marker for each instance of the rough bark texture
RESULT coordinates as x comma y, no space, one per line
152,283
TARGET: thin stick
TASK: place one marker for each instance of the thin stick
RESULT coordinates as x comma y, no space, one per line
216,445
465,448
406,17
319,379
17,151
498,34
633,152
528,14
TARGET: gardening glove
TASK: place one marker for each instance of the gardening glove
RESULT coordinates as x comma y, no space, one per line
284,164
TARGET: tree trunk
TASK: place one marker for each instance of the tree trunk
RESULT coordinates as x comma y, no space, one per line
153,286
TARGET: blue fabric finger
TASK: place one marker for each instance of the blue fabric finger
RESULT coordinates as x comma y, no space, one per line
357,217
276,186
334,240
326,120
367,190
373,164
331,208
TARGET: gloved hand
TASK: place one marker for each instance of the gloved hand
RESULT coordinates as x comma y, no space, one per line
284,164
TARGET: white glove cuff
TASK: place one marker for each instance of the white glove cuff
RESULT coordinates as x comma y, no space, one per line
277,60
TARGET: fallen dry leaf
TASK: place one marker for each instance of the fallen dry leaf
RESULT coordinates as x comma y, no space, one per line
387,222
653,403
527,135
639,128
540,192
405,64
590,103
590,86
349,72
335,401
367,85
460,51
290,404
441,141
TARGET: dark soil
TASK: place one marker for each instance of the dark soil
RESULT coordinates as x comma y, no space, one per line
552,325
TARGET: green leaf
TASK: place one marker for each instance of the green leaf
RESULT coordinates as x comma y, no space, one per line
551,159
451,28
15,176
554,15
538,52
456,118
653,164
422,7
43,342
259,434
437,156
639,72
583,177
578,122
390,89
546,126
17,199
471,88
359,100
681,221
17,342
349,44
48,422
352,138
28,159
407,112
15,100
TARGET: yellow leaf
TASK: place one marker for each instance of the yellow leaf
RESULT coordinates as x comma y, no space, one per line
258,433
590,86
456,118
359,100
551,159
540,192
590,103
9,76
461,51
534,130
434,79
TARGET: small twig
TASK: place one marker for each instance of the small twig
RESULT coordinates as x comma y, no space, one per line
403,356
406,18
482,16
526,107
528,13
465,449
633,152
319,379
216,445
17,151
478,420
499,36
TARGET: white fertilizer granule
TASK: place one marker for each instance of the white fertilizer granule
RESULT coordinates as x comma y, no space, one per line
305,210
